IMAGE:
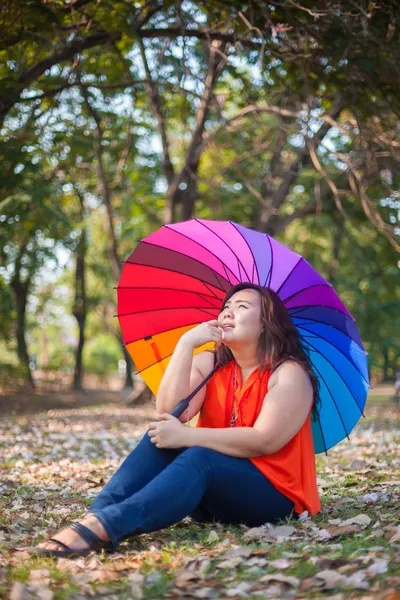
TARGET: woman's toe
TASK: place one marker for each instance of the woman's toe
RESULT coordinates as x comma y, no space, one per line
49,546
68,537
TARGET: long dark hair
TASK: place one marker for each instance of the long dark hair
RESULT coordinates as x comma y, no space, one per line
279,340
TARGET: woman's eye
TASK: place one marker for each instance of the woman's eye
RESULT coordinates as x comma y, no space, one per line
242,305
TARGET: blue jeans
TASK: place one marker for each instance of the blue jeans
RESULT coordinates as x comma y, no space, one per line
157,487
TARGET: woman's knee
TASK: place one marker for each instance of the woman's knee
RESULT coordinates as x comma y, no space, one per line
199,452
200,458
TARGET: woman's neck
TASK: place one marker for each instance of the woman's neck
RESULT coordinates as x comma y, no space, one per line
246,360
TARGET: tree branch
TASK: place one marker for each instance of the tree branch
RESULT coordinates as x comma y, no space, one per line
216,62
201,34
66,86
106,194
155,105
11,96
302,159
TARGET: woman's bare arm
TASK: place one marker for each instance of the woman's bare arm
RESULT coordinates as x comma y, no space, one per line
183,374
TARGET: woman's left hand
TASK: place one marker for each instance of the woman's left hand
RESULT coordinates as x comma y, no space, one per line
168,434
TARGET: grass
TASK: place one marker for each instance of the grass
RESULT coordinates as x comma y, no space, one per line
159,557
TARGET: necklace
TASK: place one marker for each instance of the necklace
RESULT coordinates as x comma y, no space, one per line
234,417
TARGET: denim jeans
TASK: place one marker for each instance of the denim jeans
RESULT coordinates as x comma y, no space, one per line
157,487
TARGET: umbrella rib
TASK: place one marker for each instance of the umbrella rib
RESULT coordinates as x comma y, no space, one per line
162,289
327,284
334,402
288,275
226,272
213,293
319,306
227,245
269,274
322,435
151,310
314,285
127,262
201,246
333,367
156,363
295,313
336,348
327,325
166,330
251,252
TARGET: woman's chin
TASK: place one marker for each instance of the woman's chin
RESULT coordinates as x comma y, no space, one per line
228,340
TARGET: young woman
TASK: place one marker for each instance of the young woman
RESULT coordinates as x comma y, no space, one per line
250,459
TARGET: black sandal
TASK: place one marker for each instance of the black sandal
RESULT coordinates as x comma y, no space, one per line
96,544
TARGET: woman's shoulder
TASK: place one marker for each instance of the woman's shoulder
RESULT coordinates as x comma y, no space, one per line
289,368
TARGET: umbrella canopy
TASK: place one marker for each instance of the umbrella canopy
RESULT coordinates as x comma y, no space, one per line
177,278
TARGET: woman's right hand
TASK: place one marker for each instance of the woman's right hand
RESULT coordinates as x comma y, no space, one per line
209,331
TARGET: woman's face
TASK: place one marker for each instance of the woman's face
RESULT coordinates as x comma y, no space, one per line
241,318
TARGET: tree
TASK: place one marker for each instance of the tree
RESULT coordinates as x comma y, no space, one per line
275,115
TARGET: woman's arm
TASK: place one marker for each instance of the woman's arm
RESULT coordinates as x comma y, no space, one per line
242,442
183,374
180,380
175,382
285,407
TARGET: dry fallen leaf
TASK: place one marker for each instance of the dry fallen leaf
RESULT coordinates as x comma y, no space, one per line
243,551
343,530
361,519
256,562
255,533
328,579
231,563
284,531
377,568
241,589
294,581
213,536
19,591
44,594
184,577
280,563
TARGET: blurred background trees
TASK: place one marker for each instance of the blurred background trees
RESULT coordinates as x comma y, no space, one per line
119,116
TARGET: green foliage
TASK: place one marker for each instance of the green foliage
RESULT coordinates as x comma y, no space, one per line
81,129
102,355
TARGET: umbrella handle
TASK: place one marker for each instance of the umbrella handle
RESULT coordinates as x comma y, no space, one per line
183,404
178,410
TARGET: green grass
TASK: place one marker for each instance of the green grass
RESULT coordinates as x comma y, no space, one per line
192,539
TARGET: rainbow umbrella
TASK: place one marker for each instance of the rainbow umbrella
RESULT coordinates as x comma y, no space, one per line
177,278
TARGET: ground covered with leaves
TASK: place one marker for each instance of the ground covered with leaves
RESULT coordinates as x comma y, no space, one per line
54,461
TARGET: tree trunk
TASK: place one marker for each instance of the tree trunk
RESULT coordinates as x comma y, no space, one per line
334,263
80,305
106,195
385,353
21,291
140,395
128,376
269,213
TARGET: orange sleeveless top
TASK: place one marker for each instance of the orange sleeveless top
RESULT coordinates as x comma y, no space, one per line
292,469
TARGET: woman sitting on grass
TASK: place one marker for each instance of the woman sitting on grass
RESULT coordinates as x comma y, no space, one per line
250,459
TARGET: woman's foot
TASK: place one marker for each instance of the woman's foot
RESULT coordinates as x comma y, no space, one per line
72,539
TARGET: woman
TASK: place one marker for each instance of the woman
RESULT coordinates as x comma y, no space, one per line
250,458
